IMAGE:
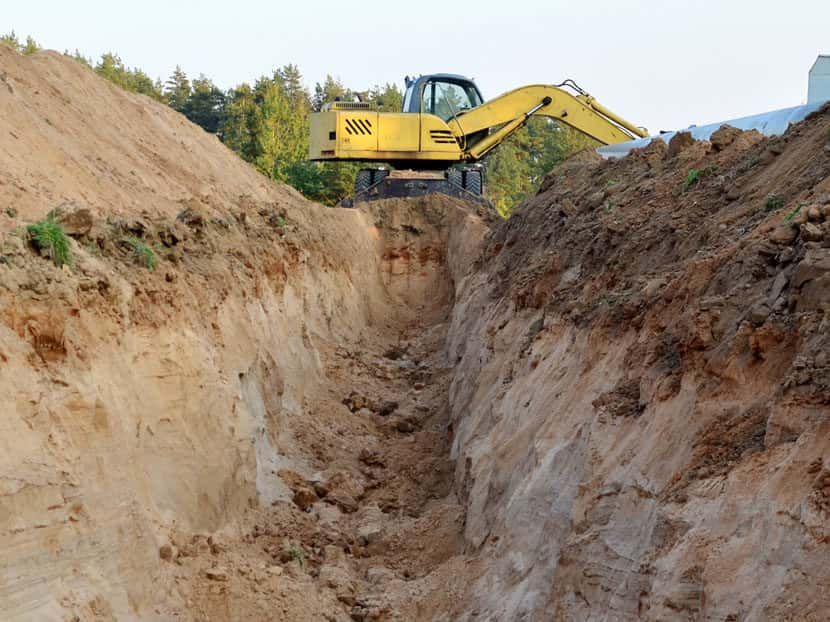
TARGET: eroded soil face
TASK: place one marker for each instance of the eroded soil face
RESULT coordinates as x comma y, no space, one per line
371,528
253,429
642,401
612,406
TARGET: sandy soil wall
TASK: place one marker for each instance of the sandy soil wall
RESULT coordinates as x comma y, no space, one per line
139,402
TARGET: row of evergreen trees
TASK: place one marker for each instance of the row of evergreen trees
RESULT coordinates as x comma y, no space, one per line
267,124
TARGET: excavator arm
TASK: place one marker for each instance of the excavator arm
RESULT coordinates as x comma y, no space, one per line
510,111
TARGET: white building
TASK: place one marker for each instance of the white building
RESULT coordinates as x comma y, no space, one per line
818,86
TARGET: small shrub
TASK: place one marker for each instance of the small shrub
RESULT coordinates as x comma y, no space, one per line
297,554
143,254
281,221
691,179
749,163
49,235
794,213
29,47
775,202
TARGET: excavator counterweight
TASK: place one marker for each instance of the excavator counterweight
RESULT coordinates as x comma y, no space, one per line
446,125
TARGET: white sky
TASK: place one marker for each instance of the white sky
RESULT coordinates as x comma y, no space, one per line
660,64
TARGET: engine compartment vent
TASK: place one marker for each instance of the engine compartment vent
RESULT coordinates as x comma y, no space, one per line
348,106
442,137
362,127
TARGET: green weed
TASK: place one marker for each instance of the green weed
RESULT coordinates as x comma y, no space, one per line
749,163
297,554
789,217
692,178
49,235
142,253
773,203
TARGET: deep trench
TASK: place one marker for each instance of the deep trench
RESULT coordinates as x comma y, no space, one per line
385,540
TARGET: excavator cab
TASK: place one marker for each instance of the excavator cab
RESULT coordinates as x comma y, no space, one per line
444,95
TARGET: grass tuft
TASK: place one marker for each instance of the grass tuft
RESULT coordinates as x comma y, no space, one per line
48,235
297,554
775,202
143,254
692,178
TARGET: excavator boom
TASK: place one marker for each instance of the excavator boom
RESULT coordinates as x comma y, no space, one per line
511,110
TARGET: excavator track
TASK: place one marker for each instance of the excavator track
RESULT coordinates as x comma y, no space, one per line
376,184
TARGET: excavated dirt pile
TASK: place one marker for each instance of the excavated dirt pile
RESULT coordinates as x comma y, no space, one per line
642,387
234,404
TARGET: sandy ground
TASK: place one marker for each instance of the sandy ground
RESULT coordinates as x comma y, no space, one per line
612,406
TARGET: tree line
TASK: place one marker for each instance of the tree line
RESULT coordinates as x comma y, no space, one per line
267,124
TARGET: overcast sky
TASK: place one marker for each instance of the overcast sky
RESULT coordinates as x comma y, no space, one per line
661,64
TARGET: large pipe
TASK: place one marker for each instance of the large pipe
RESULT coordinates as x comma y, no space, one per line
767,123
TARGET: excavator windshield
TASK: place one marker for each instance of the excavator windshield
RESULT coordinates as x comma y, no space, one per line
448,99
445,96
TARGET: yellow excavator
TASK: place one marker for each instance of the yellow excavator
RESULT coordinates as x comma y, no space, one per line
444,130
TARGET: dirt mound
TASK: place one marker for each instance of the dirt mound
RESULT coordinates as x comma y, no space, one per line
654,395
71,137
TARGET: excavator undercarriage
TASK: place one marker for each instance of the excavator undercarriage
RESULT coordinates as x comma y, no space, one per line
371,184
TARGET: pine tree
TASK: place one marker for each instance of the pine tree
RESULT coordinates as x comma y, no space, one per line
11,40
113,69
292,81
205,105
79,57
388,98
331,90
30,47
177,89
239,123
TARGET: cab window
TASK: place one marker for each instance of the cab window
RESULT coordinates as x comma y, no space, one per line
448,99
407,99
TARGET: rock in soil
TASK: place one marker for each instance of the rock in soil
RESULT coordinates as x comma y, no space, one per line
387,409
217,574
